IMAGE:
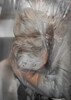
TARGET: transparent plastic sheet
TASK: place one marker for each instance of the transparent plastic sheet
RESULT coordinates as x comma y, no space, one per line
42,37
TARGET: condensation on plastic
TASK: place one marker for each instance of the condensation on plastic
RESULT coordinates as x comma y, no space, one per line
39,15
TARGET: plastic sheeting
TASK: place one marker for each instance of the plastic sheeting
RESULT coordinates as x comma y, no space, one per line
42,39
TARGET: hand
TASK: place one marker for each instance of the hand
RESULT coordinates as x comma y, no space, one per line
32,78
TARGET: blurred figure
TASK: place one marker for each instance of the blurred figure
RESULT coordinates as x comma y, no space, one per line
41,52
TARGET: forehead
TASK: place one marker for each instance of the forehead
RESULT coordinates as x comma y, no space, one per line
33,15
30,21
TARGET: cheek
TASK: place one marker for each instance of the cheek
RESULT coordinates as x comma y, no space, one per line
32,62
44,57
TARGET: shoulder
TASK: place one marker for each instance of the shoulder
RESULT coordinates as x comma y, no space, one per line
4,62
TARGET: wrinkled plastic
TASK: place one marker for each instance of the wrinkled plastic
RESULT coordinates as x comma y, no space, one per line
42,33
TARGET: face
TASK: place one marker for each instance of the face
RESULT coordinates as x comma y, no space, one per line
30,51
30,47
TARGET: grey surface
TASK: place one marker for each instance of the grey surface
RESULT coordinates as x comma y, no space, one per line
8,8
5,47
